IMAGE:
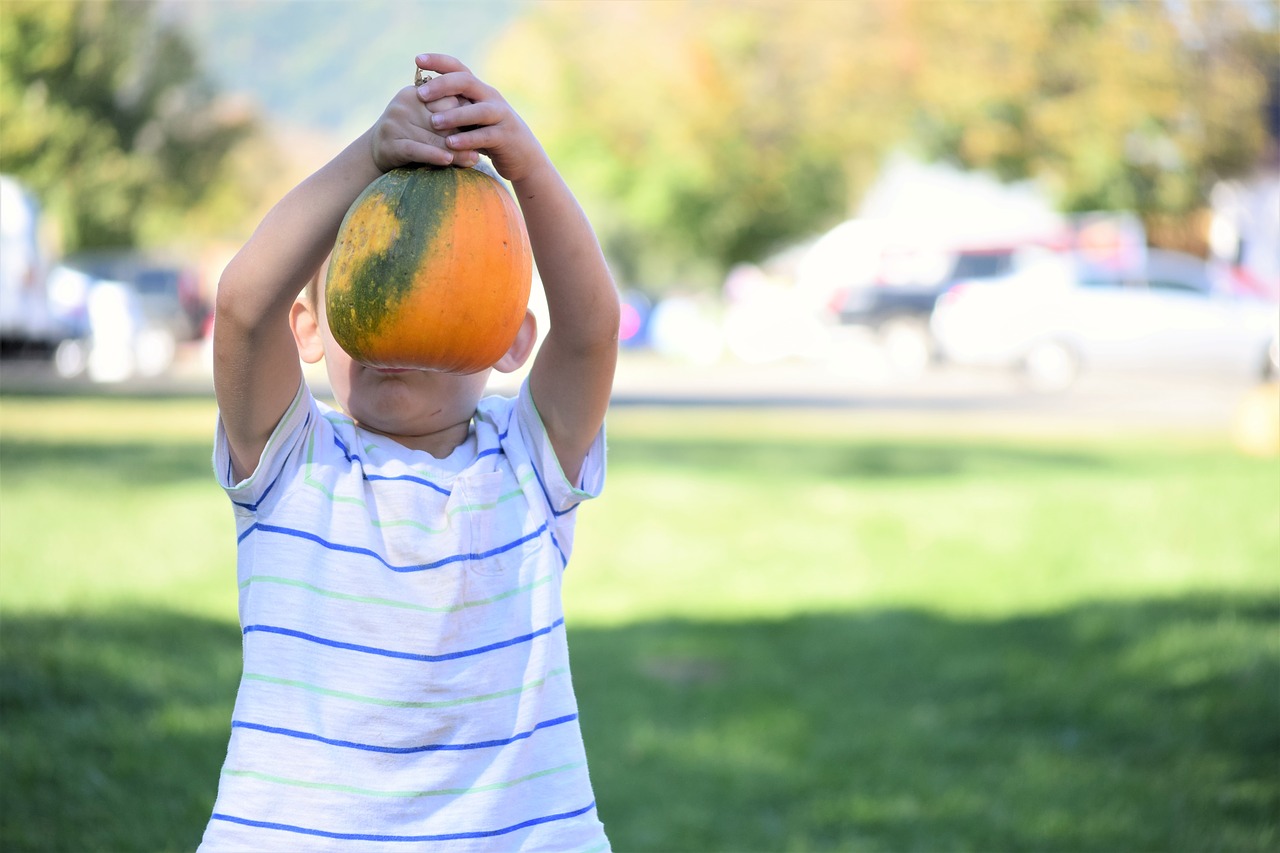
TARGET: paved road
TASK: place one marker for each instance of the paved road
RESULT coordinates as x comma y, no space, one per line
955,395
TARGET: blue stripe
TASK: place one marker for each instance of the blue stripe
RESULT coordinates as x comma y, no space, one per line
351,457
366,552
546,494
391,653
253,507
564,561
359,836
409,478
404,750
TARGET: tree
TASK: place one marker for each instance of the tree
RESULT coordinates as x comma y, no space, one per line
702,135
107,119
1109,104
705,134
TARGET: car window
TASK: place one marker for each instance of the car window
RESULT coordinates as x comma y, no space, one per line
157,282
982,265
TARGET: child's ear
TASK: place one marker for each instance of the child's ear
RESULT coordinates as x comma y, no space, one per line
521,348
306,332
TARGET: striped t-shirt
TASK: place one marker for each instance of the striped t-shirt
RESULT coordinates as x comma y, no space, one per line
406,677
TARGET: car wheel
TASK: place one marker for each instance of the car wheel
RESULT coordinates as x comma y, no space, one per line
1050,366
906,346
70,358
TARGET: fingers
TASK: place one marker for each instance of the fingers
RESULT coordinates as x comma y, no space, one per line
471,117
403,151
441,65
440,105
462,84
439,62
465,116
404,135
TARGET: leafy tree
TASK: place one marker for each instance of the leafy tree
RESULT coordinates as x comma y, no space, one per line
705,134
107,119
1108,103
701,134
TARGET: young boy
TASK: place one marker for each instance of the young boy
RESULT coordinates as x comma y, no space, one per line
406,677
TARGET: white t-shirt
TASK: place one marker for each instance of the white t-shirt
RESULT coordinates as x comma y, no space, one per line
406,677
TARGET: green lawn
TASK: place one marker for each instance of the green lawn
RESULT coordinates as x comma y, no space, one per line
789,632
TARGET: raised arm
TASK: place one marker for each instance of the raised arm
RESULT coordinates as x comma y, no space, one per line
572,375
256,370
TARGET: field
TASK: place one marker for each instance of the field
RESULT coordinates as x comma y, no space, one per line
791,631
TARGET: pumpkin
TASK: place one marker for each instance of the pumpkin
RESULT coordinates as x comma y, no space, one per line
431,270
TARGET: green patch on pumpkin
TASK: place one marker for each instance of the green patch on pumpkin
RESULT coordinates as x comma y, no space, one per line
385,238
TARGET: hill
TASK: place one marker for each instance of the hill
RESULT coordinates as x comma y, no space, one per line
331,64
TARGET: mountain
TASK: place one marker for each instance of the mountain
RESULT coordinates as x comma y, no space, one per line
331,65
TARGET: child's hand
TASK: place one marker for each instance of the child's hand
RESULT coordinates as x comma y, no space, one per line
403,133
482,122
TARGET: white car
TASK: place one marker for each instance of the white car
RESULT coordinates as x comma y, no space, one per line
1057,318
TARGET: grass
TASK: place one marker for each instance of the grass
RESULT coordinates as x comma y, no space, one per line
788,633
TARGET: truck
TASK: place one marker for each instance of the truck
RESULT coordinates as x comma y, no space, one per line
27,323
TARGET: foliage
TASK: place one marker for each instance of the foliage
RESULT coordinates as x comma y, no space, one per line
1118,111
789,633
700,132
108,119
706,134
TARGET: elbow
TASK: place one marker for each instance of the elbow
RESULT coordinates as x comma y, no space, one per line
244,302
231,302
607,326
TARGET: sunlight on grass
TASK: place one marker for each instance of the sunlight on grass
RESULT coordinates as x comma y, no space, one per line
777,524
799,632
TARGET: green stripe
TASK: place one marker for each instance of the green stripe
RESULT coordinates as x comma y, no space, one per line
367,792
390,602
394,703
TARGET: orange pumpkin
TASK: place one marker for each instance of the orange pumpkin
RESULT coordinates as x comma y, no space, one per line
431,270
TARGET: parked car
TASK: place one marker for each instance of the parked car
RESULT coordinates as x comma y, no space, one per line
1060,317
898,313
110,338
168,290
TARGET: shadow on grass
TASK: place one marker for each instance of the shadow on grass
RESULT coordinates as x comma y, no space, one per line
1148,725
1145,726
114,728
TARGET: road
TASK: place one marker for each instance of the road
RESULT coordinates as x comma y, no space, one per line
952,395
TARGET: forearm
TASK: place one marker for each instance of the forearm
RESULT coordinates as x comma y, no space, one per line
256,369
572,377
293,239
581,298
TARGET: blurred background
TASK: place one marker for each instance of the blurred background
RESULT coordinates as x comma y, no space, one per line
1080,187
944,506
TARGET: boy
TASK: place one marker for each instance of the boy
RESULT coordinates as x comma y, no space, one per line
406,681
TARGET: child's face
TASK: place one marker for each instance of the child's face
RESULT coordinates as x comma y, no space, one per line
415,407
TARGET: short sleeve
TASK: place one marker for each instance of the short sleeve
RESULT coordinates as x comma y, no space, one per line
562,495
286,436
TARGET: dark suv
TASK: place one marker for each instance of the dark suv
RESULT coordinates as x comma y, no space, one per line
898,314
